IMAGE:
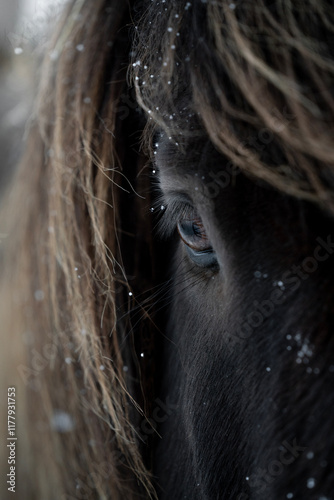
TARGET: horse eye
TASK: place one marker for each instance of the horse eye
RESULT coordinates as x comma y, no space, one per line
198,246
193,234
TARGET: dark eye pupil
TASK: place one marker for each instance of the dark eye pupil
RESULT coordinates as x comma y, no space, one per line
197,243
193,234
197,230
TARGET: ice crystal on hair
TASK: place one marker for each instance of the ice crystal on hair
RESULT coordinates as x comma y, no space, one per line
54,54
310,483
39,295
62,421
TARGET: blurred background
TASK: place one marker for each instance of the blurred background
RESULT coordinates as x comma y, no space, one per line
24,28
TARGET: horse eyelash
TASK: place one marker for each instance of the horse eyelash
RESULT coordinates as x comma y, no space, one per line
171,213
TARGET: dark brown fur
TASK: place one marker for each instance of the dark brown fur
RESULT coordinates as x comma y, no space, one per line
245,94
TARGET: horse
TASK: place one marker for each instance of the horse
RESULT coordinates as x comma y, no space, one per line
167,278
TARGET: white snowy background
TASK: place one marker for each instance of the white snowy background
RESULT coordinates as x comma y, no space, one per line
24,31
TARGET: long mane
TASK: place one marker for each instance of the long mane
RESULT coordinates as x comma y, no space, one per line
73,364
77,201
255,76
